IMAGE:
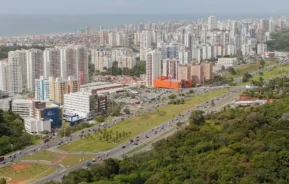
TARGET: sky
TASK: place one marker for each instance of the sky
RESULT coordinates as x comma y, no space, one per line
144,6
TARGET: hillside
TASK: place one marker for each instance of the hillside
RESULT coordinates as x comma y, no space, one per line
12,132
245,145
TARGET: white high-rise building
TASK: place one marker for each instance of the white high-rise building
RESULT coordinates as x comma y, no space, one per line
153,67
4,85
261,48
34,67
42,89
52,65
145,39
17,71
212,23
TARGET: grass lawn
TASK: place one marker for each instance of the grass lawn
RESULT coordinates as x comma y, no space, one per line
269,74
138,124
59,158
26,172
273,73
240,70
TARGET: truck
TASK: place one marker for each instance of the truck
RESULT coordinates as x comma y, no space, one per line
2,158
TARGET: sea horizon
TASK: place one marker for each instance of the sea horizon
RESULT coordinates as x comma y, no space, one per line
13,25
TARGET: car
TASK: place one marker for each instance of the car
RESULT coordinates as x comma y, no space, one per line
93,160
3,163
135,143
123,147
88,164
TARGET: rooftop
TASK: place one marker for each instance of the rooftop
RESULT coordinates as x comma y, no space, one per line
22,101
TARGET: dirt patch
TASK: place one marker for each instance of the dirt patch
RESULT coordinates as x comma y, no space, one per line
246,98
16,182
20,167
61,159
136,118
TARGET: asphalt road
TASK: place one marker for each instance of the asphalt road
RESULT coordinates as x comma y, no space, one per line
30,150
122,149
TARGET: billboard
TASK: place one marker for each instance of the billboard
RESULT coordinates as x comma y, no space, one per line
53,114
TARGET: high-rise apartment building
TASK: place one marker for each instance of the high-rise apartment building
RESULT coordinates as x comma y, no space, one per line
112,39
127,62
103,36
4,85
52,65
17,71
145,39
198,73
264,25
34,67
153,67
42,89
74,62
73,85
170,68
212,23
58,87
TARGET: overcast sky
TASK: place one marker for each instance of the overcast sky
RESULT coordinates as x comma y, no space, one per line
143,6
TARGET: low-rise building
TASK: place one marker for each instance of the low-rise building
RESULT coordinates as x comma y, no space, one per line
34,126
85,104
227,62
22,107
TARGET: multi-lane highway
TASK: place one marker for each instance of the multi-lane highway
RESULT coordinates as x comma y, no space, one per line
142,138
127,146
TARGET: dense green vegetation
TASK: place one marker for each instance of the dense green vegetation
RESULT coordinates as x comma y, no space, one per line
12,135
219,80
5,49
277,88
241,145
137,70
279,42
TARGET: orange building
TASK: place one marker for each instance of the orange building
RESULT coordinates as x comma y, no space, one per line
164,82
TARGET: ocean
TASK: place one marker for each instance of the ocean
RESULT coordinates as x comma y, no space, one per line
20,25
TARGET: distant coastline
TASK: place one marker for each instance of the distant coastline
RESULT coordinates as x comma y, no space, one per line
21,25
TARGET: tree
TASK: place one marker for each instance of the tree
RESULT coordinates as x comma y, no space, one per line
127,111
223,68
2,181
197,117
262,63
99,118
231,70
172,96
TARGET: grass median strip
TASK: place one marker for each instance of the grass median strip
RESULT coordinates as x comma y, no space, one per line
138,124
60,158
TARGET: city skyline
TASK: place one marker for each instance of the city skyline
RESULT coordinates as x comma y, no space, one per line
144,7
